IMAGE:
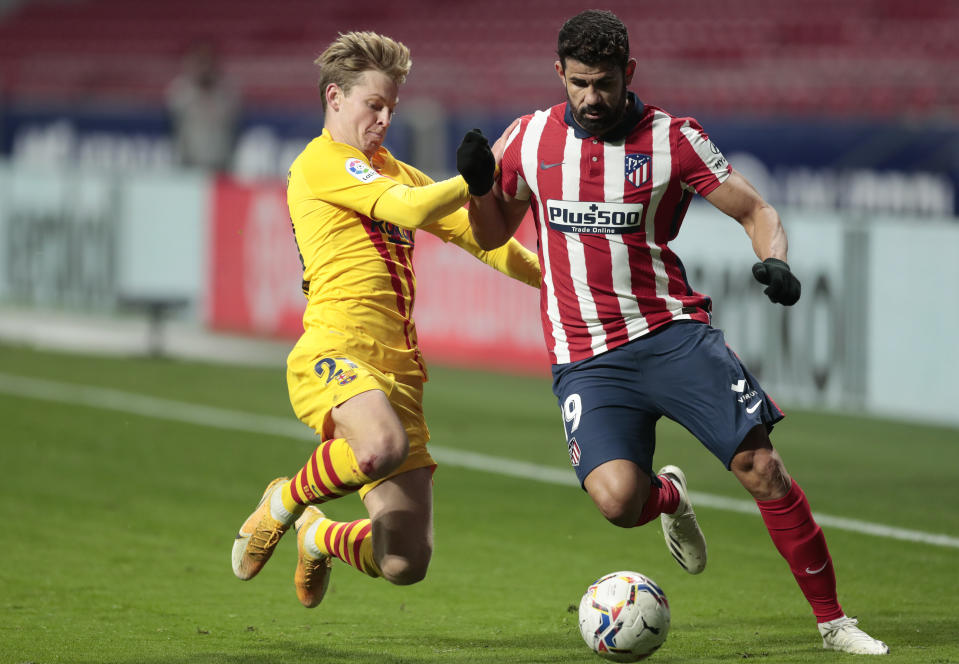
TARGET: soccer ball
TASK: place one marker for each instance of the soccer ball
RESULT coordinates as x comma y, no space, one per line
624,616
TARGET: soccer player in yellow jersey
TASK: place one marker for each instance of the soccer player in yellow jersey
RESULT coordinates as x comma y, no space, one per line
356,374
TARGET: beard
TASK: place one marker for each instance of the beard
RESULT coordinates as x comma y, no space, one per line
606,118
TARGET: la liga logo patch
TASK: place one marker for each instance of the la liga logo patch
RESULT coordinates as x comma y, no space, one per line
360,170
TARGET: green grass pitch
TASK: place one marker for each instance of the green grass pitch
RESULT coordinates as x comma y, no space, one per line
117,530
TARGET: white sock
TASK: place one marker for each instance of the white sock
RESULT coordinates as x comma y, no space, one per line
309,540
279,512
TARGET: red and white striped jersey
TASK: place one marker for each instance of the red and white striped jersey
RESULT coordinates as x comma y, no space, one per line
605,210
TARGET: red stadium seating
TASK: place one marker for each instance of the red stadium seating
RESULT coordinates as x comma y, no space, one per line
880,58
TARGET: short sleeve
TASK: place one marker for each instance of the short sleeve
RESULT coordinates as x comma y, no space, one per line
702,166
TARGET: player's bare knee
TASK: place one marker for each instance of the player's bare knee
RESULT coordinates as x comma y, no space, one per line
403,571
624,518
622,513
380,455
618,491
762,473
767,465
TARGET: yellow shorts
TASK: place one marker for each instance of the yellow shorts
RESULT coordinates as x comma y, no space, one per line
321,380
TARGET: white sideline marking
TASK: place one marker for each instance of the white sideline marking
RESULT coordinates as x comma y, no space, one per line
221,418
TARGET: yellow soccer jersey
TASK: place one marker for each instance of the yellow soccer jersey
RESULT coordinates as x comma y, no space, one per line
358,269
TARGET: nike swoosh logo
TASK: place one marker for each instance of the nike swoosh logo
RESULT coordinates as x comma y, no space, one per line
817,571
544,166
752,409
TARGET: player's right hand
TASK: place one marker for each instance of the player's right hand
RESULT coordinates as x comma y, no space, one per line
781,284
475,162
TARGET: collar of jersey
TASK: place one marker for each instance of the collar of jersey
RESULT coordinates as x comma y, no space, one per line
634,113
378,160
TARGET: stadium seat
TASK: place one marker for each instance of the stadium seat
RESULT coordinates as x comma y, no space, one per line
870,57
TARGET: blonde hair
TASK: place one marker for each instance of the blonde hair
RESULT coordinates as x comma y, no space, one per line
352,53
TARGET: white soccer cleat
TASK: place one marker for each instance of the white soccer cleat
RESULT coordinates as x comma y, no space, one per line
842,634
684,537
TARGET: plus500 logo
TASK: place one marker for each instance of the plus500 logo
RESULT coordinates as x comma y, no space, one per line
586,217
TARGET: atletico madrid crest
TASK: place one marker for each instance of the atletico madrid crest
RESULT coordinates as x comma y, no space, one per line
574,452
638,168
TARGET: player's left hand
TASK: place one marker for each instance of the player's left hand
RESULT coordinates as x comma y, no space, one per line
782,286
475,162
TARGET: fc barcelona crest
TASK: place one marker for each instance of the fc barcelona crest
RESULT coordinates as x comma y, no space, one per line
340,369
638,168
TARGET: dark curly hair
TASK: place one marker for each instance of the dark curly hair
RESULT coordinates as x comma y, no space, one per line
593,37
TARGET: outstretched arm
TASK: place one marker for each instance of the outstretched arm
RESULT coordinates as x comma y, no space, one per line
413,207
739,199
475,161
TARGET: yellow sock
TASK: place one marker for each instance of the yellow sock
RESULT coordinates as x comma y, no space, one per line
330,472
351,542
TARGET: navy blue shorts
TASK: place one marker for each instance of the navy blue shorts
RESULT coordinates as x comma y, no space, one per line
685,372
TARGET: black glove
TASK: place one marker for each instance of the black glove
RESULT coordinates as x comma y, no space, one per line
781,285
475,162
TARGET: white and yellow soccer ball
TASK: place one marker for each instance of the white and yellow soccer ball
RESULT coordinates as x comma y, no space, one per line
624,616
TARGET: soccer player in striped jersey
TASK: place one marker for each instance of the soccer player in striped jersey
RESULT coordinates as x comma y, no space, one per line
609,180
356,374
